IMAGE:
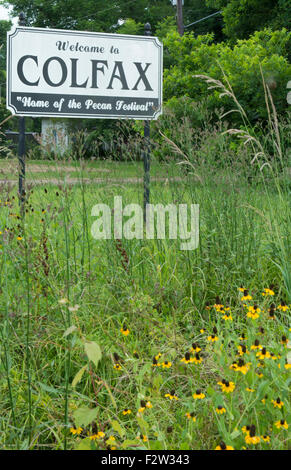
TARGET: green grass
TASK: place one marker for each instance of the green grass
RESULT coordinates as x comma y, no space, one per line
161,296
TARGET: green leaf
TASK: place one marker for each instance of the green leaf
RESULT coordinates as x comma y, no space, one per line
85,444
69,331
84,416
78,376
128,443
93,352
117,427
110,394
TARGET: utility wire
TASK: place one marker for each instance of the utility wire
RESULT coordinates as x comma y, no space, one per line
202,19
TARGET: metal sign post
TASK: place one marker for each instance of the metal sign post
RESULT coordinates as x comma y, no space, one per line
21,147
147,152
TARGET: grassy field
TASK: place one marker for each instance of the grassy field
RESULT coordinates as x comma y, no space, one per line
137,344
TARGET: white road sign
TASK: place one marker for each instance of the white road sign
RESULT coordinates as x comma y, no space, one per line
61,73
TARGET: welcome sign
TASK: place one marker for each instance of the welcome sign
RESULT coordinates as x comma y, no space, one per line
61,73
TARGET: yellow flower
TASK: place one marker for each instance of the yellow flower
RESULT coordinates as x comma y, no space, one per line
148,404
97,436
268,292
76,431
251,390
195,348
246,296
223,446
124,330
171,395
241,366
226,386
263,354
256,345
198,395
227,317
191,416
253,440
283,307
277,403
220,410
126,412
166,365
187,359
212,338
142,437
266,438
281,424
117,366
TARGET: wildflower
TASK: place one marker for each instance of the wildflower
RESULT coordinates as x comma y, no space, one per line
220,410
117,366
142,437
246,429
240,366
246,296
251,390
171,395
284,340
111,440
142,406
226,386
187,358
256,345
166,365
202,331
243,337
227,317
223,446
241,289
19,238
287,366
155,362
135,354
197,359
218,305
251,437
97,436
191,416
212,338
126,411
242,350
283,307
157,357
76,431
281,424
277,403
195,348
272,313
263,354
253,312
124,330
148,404
264,399
198,395
268,292
265,438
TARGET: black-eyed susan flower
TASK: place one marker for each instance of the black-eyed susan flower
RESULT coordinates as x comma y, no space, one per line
281,424
220,410
264,399
124,330
253,312
117,366
76,431
155,362
166,365
187,359
97,436
283,307
142,406
242,349
251,438
241,289
198,395
268,292
171,395
212,338
256,345
266,438
223,446
197,359
284,340
149,404
246,429
227,317
263,354
195,348
241,366
243,337
250,390
226,386
126,411
277,403
246,296
142,437
202,331
191,416
287,366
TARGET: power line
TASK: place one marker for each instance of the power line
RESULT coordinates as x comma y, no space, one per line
202,19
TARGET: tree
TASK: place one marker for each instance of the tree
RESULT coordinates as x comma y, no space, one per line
5,26
243,17
90,15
